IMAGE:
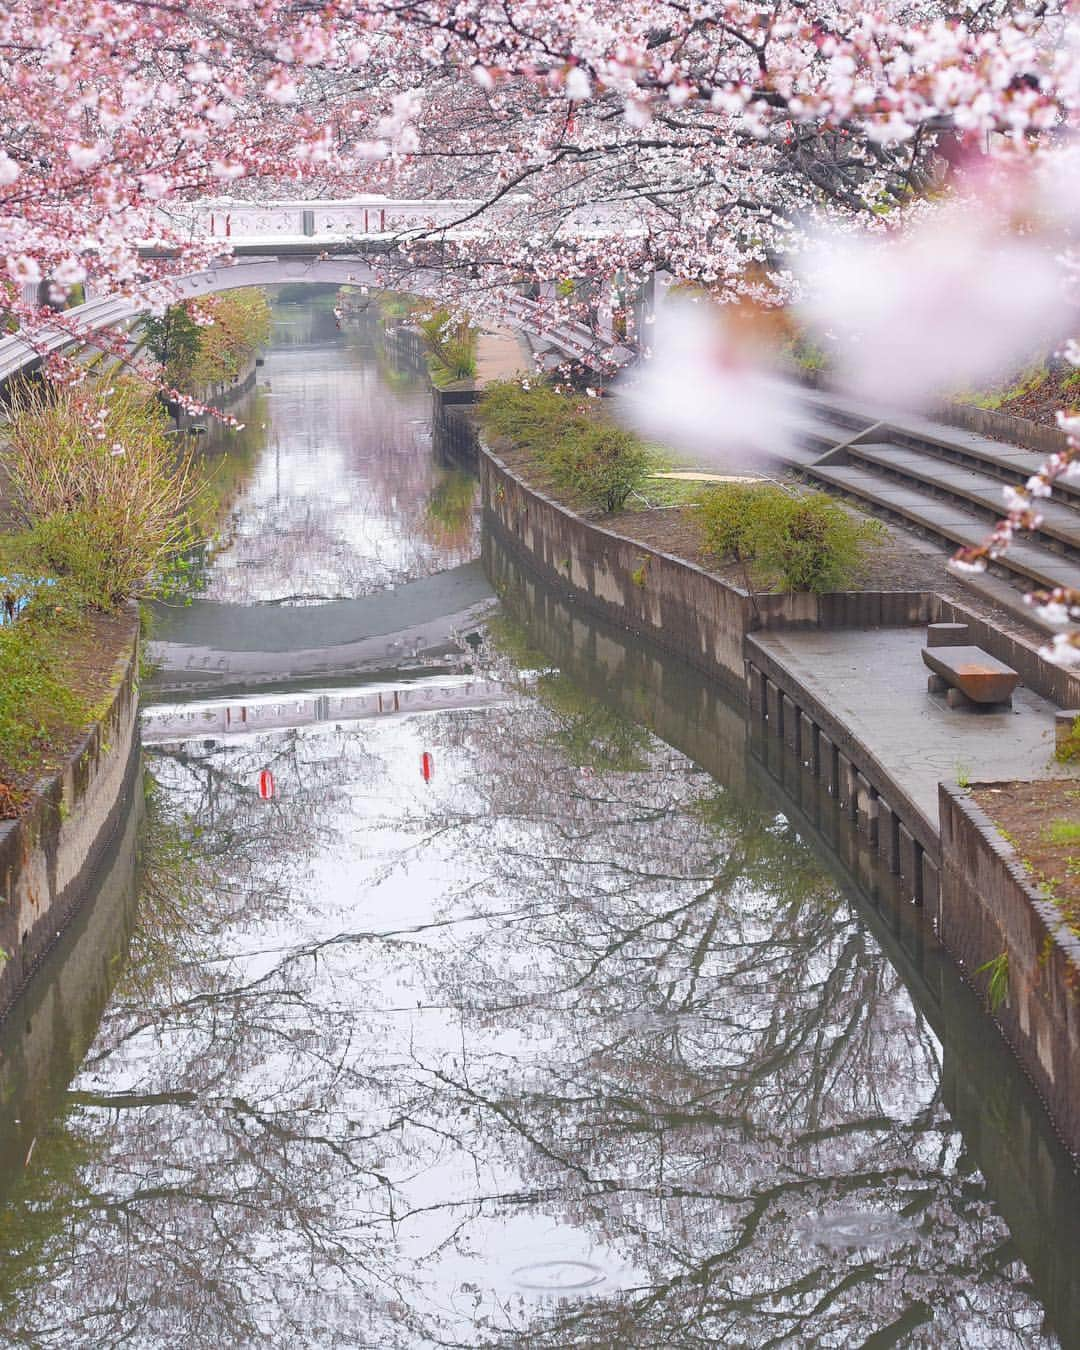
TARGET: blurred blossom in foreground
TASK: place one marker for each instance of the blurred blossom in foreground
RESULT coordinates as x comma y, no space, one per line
707,387
957,302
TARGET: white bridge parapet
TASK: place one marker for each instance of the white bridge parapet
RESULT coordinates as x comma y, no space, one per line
339,222
323,241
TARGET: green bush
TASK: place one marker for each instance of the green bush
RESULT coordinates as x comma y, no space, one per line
730,514
584,453
601,464
530,418
451,345
37,704
806,542
1070,748
814,544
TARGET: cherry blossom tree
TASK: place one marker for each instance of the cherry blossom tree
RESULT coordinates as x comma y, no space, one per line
722,138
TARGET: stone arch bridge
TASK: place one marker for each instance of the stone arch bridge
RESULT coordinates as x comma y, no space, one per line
341,242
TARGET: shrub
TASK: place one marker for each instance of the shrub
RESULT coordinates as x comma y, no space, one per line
37,704
1069,749
728,515
601,464
101,489
584,453
814,544
451,343
531,418
808,542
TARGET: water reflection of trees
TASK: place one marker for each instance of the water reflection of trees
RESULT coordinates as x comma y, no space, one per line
345,497
576,980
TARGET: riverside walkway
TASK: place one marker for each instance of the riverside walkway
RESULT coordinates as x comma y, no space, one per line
873,682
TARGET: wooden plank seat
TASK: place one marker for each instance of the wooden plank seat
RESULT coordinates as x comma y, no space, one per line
968,674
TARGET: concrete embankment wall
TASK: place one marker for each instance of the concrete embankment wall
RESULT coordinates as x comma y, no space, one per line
978,899
678,605
704,620
989,908
709,624
48,857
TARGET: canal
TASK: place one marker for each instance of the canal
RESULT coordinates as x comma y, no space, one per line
465,974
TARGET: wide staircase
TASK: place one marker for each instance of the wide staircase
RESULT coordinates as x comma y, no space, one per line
941,481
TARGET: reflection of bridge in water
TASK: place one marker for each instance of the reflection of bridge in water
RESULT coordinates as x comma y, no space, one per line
168,723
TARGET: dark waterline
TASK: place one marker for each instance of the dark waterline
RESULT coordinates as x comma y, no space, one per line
606,1035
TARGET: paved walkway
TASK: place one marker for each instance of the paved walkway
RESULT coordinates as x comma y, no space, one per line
874,681
500,355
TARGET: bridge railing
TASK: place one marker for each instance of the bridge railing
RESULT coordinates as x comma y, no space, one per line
371,217
360,217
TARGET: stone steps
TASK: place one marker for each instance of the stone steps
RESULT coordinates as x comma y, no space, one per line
946,484
1061,520
1010,463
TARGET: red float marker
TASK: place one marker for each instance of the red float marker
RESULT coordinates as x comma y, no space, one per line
427,766
266,785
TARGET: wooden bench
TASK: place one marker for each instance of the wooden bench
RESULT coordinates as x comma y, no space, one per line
969,675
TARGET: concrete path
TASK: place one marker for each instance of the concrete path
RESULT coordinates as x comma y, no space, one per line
874,681
501,355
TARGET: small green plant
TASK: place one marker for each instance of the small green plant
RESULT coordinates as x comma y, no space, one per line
815,544
1069,749
38,707
1063,832
451,346
601,464
640,573
963,776
585,455
729,517
996,971
531,416
1028,380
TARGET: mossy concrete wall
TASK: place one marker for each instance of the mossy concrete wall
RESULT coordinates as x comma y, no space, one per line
48,856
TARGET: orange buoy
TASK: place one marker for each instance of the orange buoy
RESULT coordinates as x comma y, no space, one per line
266,785
427,766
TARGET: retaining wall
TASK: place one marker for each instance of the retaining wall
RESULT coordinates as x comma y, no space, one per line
680,606
710,624
48,856
884,817
1046,440
988,906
